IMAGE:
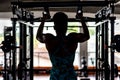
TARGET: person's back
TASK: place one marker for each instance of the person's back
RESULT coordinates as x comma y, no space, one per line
62,56
62,47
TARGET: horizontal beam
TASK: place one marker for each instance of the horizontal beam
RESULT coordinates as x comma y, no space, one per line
61,4
26,23
86,19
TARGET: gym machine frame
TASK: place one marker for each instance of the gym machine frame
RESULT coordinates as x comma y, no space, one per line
25,66
22,5
24,70
104,44
102,51
9,53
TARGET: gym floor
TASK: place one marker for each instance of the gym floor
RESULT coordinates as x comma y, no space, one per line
46,77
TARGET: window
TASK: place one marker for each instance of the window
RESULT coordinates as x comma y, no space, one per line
91,46
40,52
41,57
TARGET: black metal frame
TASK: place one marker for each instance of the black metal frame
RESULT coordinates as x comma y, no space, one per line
14,52
23,53
102,55
112,20
7,57
102,50
104,36
102,47
61,4
10,57
24,58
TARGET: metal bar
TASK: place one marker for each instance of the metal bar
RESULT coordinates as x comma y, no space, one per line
25,23
102,42
23,49
31,52
106,54
97,52
87,19
61,4
14,51
112,20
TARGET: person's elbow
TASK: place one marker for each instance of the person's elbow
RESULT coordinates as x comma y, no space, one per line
87,37
37,38
40,39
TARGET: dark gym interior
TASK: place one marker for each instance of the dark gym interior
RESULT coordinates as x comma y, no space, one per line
22,57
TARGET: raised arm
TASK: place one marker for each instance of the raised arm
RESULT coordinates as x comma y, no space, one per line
85,30
39,35
81,37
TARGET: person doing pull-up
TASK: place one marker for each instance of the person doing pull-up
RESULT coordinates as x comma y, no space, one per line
62,47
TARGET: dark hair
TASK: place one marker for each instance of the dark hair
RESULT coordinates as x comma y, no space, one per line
60,20
60,16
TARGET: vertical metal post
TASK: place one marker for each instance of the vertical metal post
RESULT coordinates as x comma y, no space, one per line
20,54
5,69
23,48
102,44
5,61
24,35
112,21
14,50
31,52
106,41
97,53
106,61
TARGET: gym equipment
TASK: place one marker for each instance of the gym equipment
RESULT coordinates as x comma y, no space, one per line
84,78
22,14
102,50
103,14
116,42
84,69
8,47
79,12
26,52
25,47
7,44
103,34
33,4
18,9
46,12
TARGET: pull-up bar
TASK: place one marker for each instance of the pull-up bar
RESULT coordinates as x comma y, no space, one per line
61,4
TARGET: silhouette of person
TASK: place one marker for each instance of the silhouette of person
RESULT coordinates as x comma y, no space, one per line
62,47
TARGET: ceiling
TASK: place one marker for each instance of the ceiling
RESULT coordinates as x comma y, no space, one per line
5,6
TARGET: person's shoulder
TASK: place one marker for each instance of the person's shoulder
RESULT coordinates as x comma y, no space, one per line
49,36
75,37
73,34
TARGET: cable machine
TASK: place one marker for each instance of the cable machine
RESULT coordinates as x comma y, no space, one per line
80,4
105,67
18,68
25,64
